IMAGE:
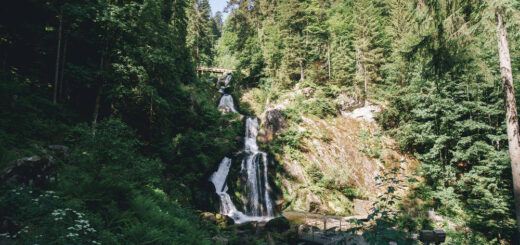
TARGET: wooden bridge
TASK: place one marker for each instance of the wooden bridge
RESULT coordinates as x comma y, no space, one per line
214,70
201,69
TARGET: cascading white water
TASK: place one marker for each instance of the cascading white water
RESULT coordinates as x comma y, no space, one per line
259,205
227,207
219,180
228,79
254,167
226,104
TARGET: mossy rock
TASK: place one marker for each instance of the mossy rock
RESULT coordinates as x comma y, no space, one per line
279,225
224,220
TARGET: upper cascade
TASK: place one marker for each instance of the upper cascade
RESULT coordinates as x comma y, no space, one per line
227,80
226,104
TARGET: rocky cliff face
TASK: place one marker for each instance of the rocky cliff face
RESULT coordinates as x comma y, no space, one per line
333,166
273,123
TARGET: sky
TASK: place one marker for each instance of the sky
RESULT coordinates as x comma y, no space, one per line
218,5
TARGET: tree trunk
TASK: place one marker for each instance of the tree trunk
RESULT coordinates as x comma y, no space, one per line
513,136
97,103
56,73
328,57
365,91
63,68
361,71
96,109
302,73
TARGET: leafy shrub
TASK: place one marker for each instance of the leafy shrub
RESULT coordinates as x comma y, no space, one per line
382,222
353,193
320,107
45,217
315,173
292,114
106,193
331,91
292,137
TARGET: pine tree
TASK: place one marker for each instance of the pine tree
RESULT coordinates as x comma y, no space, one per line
368,44
200,39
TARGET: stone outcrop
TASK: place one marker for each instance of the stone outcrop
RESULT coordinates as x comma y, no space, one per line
367,113
346,103
308,91
37,170
205,198
273,123
362,207
34,170
216,219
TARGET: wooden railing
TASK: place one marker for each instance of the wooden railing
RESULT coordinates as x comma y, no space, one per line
214,69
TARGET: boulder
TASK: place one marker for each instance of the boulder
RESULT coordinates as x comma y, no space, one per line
216,219
279,224
362,207
308,91
249,226
209,217
367,113
224,220
220,239
61,150
205,197
273,122
345,103
34,170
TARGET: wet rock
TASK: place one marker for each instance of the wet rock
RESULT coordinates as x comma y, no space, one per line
216,219
225,109
280,205
279,224
220,239
224,220
209,217
250,226
33,170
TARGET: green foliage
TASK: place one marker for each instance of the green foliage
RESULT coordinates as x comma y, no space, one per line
319,107
447,110
353,193
291,138
382,221
202,32
372,144
315,173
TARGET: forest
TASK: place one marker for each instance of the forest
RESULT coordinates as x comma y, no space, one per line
167,122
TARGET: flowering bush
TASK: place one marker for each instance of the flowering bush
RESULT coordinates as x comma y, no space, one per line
41,217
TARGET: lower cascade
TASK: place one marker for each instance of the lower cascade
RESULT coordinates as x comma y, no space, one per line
254,168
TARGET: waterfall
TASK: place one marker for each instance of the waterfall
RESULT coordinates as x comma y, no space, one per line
228,79
219,180
226,104
227,207
254,168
